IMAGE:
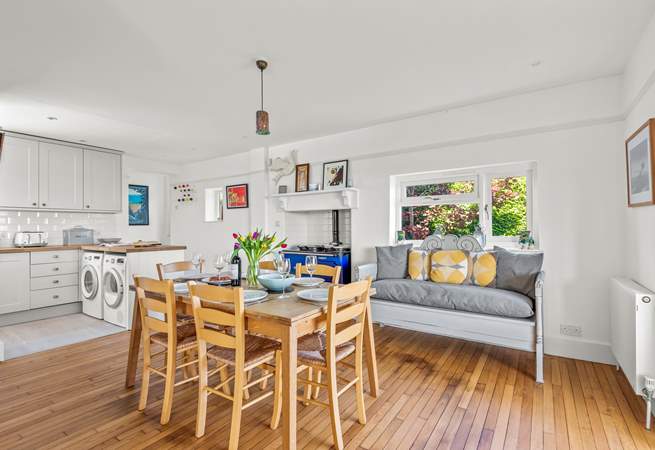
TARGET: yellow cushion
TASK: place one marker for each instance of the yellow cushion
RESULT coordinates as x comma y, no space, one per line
450,266
484,269
418,264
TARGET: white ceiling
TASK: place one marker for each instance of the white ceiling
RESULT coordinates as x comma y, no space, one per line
176,80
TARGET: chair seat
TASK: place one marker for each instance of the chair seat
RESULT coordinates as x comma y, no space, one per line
258,350
312,349
186,337
183,319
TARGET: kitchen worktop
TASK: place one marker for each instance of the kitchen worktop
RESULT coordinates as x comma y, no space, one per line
94,248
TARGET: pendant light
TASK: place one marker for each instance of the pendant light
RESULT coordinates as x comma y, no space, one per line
262,116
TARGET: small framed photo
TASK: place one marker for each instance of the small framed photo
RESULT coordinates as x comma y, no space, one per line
138,203
640,162
237,196
335,175
302,177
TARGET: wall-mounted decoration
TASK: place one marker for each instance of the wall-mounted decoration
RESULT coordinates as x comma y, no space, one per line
640,162
283,166
138,205
335,175
237,196
302,177
185,193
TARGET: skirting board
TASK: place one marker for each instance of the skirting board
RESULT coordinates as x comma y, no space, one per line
40,313
513,333
579,349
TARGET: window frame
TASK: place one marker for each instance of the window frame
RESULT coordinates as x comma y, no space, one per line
482,177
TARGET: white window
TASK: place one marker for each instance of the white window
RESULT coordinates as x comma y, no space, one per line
497,199
214,202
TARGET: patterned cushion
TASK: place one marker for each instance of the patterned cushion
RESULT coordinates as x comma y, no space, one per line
419,264
312,349
484,269
258,350
450,266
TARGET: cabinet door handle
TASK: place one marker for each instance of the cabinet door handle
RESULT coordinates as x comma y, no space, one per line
55,256
56,269
55,296
42,204
55,281
34,204
88,206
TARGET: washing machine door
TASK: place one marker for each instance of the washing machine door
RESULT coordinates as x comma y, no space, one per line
90,282
113,288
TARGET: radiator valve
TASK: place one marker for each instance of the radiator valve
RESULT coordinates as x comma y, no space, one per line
649,393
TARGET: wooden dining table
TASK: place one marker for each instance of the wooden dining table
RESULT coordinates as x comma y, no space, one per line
285,319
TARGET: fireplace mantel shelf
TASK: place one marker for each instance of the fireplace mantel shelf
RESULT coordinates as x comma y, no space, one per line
318,200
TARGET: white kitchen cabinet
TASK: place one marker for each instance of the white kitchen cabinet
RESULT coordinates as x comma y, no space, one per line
19,173
102,181
61,176
15,282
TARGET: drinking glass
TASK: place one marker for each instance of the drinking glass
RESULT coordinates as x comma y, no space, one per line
197,261
310,264
283,267
221,262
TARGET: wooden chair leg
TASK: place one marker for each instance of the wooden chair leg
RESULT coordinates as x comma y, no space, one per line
246,391
359,385
333,401
277,393
309,389
145,376
237,404
201,417
224,376
318,380
169,384
264,384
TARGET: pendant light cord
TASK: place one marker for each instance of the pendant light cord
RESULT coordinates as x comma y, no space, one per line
261,73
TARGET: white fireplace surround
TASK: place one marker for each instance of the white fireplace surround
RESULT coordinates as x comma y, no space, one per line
318,200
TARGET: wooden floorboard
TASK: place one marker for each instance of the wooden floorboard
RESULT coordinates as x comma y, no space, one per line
437,393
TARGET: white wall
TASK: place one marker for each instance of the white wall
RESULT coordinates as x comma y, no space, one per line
639,100
572,132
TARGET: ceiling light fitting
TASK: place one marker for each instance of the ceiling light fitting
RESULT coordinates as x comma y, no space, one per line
262,116
51,118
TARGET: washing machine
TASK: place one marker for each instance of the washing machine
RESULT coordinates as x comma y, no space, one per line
117,302
91,284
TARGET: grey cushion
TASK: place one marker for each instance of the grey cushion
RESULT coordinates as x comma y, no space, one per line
392,261
483,300
517,271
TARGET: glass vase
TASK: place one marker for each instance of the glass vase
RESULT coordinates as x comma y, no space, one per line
252,273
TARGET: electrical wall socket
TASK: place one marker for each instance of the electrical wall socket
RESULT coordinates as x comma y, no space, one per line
570,330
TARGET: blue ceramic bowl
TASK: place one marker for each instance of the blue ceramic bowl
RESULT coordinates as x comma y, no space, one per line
275,282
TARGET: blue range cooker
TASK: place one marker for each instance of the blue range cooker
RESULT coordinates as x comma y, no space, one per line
325,254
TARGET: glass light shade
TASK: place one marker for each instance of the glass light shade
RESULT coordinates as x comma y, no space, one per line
262,123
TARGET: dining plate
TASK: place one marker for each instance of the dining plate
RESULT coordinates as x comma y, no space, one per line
314,295
252,295
217,282
308,282
181,288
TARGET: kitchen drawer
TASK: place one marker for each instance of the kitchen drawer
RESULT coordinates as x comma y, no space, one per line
51,257
47,270
53,282
54,296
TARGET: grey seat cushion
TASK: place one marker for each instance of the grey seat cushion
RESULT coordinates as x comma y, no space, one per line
483,300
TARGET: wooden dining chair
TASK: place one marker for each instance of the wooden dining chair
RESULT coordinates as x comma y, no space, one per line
243,352
165,270
267,265
160,328
322,351
322,270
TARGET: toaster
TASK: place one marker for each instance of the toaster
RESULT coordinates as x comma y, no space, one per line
78,235
30,239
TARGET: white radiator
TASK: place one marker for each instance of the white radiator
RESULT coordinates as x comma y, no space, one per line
632,318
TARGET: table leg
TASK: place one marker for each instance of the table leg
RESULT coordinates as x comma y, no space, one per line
135,343
289,387
371,361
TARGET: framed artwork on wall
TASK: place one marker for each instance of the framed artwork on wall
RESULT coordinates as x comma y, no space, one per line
302,177
640,164
237,196
138,205
335,175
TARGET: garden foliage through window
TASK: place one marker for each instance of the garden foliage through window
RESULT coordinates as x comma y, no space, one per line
497,202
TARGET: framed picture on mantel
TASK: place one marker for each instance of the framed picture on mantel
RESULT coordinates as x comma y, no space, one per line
335,175
302,177
640,163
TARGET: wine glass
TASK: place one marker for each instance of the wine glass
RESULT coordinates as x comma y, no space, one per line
221,263
283,266
310,264
197,261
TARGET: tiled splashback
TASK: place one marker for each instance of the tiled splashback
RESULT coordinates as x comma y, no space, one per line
315,227
53,223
